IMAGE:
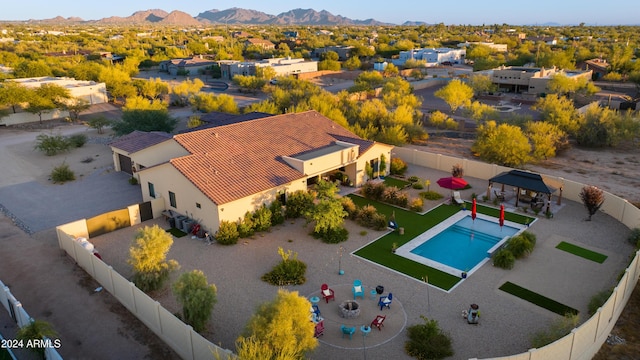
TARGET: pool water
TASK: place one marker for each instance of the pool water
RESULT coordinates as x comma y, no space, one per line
464,244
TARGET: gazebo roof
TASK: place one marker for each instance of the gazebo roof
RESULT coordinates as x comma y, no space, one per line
525,180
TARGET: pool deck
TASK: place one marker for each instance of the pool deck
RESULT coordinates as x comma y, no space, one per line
506,324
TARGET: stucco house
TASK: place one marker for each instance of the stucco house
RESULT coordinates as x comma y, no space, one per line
219,173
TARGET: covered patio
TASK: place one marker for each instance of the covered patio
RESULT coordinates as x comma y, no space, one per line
528,187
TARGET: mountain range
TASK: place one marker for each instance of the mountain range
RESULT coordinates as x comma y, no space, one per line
232,16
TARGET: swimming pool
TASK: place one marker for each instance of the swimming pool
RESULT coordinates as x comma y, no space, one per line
459,244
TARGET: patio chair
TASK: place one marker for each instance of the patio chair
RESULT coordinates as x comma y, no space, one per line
456,198
357,289
499,196
316,310
347,331
378,321
385,301
319,329
327,293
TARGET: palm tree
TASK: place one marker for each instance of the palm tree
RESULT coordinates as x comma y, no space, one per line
36,330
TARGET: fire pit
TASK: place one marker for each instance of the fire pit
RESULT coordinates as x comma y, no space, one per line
349,309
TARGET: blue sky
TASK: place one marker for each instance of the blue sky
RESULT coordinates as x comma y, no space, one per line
592,12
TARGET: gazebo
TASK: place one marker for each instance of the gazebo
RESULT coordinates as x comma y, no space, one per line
524,180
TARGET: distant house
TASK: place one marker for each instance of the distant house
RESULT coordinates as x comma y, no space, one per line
282,66
549,40
291,34
528,80
89,91
599,66
492,46
344,52
186,66
261,43
219,173
432,57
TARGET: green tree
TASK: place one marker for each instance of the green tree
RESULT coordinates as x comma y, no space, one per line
152,89
559,111
148,257
99,123
249,83
327,213
186,89
546,139
428,341
197,298
265,72
503,144
390,70
479,111
36,68
353,63
143,103
207,102
45,98
482,84
144,120
455,94
12,94
75,107
280,329
437,118
36,330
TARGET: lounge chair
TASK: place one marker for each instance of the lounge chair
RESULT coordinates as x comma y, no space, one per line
499,196
456,198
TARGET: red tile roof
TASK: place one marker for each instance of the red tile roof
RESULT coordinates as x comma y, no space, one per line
235,161
139,140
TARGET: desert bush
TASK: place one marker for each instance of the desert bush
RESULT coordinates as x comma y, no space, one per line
430,195
598,300
77,140
373,190
277,214
133,181
332,235
52,144
262,219
529,236
398,166
417,186
197,298
416,205
519,246
558,329
245,225
413,178
378,222
62,173
504,259
349,206
298,204
228,233
364,215
428,341
148,258
290,271
634,237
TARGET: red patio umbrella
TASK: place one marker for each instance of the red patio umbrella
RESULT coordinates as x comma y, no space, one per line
451,182
473,209
501,219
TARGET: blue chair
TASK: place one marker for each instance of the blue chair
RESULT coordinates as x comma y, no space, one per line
347,331
357,289
316,310
385,301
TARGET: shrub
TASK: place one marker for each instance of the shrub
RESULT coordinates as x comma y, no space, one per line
290,271
364,215
52,144
413,179
519,246
77,140
148,258
378,222
298,204
62,173
197,298
277,215
349,206
428,341
504,259
246,226
598,300
634,237
558,329
373,190
430,195
332,235
262,219
416,205
133,181
398,166
529,236
228,233
417,186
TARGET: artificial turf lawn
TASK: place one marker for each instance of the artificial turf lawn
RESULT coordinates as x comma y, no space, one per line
582,252
400,184
537,299
415,224
177,232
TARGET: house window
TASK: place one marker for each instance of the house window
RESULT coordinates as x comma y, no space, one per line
172,199
152,190
198,206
